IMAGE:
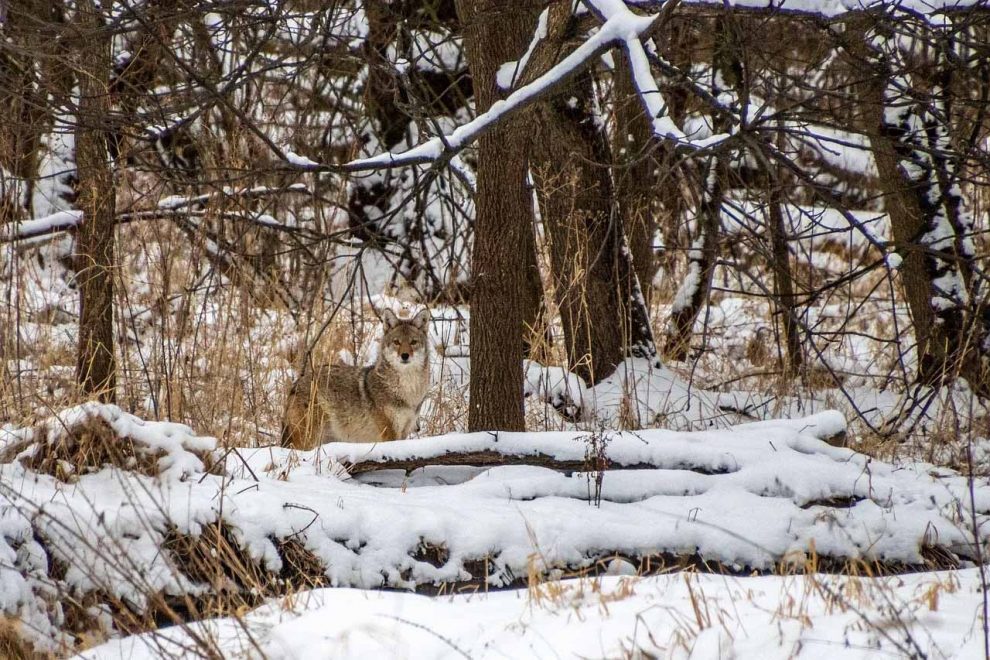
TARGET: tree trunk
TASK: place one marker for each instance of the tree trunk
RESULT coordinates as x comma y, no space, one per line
692,295
674,47
598,293
908,122
601,304
783,279
95,367
495,32
637,173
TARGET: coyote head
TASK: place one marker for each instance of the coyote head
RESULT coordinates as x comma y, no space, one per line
405,340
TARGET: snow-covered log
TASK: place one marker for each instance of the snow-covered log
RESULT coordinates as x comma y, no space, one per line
641,450
157,527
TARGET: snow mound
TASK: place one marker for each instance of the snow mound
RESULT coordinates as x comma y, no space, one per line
485,510
649,394
667,616
90,436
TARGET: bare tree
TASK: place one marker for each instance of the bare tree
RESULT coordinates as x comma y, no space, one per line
95,367
912,126
493,34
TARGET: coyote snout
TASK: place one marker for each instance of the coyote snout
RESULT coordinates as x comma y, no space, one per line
341,403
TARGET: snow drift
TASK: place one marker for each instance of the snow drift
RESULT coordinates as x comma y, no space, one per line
174,528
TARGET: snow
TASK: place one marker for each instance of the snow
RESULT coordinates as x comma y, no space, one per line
690,283
629,27
434,52
748,496
621,26
625,26
509,72
300,161
678,616
58,221
857,229
931,9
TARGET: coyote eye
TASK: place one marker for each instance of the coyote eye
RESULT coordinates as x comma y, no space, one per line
413,342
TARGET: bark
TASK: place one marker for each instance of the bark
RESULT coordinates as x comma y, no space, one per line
784,300
499,454
911,145
637,173
494,457
95,366
28,71
784,281
675,47
495,32
692,295
602,307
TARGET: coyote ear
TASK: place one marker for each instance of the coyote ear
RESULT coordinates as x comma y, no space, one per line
389,318
421,319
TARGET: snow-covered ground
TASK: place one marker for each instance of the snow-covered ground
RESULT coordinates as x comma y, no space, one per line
768,497
934,615
106,515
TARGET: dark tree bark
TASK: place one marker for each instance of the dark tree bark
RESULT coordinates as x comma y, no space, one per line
575,192
597,290
783,279
95,367
675,46
909,123
495,32
692,295
637,173
30,72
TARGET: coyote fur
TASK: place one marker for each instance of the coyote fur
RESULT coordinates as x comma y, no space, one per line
343,403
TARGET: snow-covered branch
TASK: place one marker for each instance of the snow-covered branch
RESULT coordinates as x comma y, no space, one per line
69,220
620,26
49,224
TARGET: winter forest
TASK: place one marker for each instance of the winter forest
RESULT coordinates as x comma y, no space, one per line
677,312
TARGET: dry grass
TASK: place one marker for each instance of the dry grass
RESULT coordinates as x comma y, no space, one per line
804,591
201,349
196,348
84,447
14,644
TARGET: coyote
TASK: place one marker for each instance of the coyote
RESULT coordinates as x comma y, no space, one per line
342,403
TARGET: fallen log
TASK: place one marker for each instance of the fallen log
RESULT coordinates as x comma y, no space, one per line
493,458
589,451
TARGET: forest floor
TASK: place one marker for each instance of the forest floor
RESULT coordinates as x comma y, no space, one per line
783,543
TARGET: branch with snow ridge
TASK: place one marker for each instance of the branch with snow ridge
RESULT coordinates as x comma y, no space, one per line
625,28
620,26
63,221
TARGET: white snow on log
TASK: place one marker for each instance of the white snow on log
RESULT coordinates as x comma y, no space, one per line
663,449
747,496
174,443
